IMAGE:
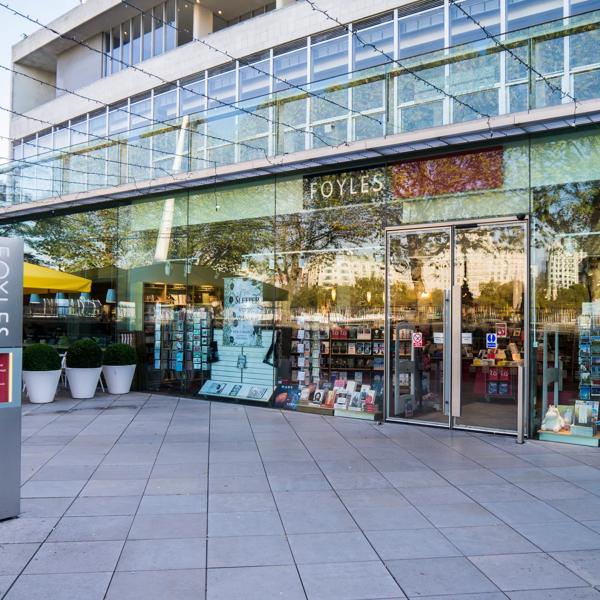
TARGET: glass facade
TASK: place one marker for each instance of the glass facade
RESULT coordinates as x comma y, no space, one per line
254,109
288,290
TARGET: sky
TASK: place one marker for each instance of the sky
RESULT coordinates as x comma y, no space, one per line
12,29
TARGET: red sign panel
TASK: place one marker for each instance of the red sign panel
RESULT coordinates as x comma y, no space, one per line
5,378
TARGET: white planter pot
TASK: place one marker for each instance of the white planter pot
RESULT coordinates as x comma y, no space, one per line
41,385
118,378
83,382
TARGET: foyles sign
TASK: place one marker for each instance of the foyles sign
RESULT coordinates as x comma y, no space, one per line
11,292
338,189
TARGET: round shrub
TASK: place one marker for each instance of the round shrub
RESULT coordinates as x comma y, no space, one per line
40,357
119,355
84,354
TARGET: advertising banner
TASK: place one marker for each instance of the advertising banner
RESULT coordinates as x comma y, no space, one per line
243,312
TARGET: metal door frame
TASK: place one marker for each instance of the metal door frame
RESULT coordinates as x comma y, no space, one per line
453,318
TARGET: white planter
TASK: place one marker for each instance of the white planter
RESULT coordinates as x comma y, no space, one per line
41,385
118,378
83,382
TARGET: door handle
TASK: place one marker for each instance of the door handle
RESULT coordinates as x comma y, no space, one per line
456,357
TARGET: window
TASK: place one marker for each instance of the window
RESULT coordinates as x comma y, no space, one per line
116,49
158,30
221,86
136,39
330,58
118,119
423,32
141,112
126,43
524,13
290,66
463,29
185,21
192,97
381,36
147,36
165,105
171,26
254,81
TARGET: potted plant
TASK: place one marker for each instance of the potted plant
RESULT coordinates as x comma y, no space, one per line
119,367
41,372
84,365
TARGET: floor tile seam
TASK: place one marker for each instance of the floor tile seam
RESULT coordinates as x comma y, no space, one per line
59,518
276,507
57,452
145,487
330,422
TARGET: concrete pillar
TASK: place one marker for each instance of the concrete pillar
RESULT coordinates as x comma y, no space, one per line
283,3
203,21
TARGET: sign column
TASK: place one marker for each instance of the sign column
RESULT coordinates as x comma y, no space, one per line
11,332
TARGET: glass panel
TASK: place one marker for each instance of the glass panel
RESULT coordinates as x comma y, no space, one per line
185,21
586,85
126,37
116,49
165,105
581,6
423,32
106,55
61,138
290,67
381,36
490,263
118,119
78,132
419,281
97,126
192,97
254,83
523,13
158,30
464,29
222,87
584,48
330,58
420,116
141,113
548,55
136,44
170,28
147,39
518,97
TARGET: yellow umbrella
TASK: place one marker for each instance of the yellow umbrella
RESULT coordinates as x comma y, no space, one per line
41,280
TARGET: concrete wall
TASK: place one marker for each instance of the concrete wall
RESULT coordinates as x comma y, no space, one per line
79,66
271,29
28,94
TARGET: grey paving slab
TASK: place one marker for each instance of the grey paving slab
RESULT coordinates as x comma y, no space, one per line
439,494
14,557
52,489
241,502
488,539
63,586
5,582
341,547
348,581
75,557
59,473
114,487
411,543
102,506
403,517
163,554
317,521
178,485
173,526
585,563
436,576
529,511
91,529
44,507
173,504
563,594
380,499
458,515
24,529
561,536
513,572
158,585
244,523
248,551
254,583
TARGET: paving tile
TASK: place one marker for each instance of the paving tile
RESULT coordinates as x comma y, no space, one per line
241,502
114,487
411,543
561,536
248,551
68,473
91,529
458,515
254,583
320,500
63,586
113,472
512,572
331,548
52,489
403,517
158,585
488,539
14,557
480,596
242,523
414,478
96,507
44,507
437,576
348,581
24,529
317,521
585,563
556,490
530,511
430,495
375,499
175,526
470,476
5,582
164,554
176,504
506,492
75,557
258,483
562,594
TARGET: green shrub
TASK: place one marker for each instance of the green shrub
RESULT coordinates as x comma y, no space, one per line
40,357
84,354
119,355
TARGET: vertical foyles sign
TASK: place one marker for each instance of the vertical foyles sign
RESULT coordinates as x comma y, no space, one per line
11,292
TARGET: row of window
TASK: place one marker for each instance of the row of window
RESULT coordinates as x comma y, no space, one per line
331,54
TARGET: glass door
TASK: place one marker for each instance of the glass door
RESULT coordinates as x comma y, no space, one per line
419,267
455,324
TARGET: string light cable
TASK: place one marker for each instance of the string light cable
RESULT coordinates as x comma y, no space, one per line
253,66
233,105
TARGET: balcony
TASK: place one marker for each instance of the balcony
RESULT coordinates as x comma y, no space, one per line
206,124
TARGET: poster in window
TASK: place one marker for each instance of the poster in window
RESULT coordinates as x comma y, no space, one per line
243,312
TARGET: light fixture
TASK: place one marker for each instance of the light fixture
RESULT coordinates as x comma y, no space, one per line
34,299
333,294
111,296
220,12
369,296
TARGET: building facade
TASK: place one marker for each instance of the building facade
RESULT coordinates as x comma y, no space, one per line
389,210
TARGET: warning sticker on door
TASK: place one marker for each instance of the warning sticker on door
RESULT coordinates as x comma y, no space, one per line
417,339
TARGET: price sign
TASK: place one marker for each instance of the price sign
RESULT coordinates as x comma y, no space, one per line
417,339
